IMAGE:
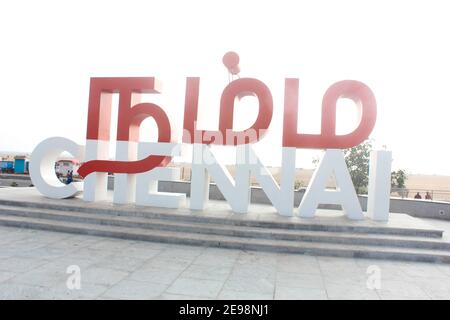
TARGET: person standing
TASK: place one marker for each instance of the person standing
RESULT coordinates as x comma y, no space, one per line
69,177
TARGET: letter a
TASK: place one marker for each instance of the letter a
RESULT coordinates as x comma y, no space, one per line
345,195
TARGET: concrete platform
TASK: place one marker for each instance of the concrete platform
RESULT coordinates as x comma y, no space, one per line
330,233
220,210
34,264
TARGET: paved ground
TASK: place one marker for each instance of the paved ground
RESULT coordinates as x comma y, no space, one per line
33,265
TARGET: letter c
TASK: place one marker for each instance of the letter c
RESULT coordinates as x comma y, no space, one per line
42,167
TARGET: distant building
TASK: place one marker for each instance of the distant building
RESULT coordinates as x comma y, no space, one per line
21,164
11,162
7,166
63,166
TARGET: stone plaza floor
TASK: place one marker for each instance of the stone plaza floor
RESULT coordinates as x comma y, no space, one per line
34,265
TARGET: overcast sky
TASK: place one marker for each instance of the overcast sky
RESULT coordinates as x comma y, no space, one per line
400,49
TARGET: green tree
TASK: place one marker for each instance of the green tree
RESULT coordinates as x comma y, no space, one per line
357,160
398,179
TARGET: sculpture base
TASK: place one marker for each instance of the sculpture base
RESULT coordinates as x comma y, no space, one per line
330,233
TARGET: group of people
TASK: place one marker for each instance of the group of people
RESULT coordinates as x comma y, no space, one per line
427,196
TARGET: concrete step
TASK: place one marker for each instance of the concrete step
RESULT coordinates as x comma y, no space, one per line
186,215
228,230
244,243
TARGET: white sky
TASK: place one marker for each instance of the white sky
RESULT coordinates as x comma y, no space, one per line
400,49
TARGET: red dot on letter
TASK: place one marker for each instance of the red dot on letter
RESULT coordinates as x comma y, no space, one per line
231,61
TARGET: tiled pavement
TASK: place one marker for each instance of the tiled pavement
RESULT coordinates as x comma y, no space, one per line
33,265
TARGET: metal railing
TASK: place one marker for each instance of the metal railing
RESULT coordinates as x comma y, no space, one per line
410,193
